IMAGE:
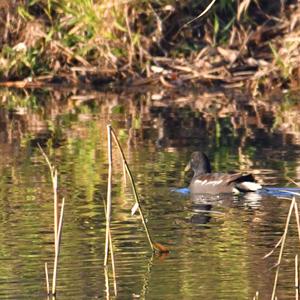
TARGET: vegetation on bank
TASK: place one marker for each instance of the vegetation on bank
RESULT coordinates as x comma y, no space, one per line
141,42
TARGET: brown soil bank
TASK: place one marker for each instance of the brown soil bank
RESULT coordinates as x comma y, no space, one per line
173,43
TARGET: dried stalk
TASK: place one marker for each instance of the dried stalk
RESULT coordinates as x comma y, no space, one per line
282,247
297,219
113,263
276,246
106,283
109,183
136,197
53,173
296,278
57,224
47,279
55,202
112,257
154,246
57,248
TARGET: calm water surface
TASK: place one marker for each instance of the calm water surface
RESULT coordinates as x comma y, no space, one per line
216,246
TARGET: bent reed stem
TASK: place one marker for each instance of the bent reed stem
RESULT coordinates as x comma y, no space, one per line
136,197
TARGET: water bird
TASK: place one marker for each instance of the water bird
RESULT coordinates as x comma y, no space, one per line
206,182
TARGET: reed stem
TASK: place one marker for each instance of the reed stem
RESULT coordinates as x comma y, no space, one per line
47,279
53,173
296,278
281,248
57,248
136,197
106,283
112,257
297,219
109,185
55,203
113,263
58,224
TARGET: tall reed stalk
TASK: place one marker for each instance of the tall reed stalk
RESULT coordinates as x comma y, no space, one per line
108,199
296,278
107,209
58,224
154,246
282,247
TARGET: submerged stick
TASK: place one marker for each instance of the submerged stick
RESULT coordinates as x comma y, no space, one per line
108,206
57,248
282,247
154,246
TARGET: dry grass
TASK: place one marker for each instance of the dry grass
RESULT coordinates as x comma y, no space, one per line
172,43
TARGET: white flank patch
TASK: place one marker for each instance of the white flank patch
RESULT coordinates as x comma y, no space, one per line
235,191
208,182
216,182
249,186
134,208
201,181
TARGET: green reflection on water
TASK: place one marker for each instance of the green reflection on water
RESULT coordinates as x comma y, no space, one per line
213,259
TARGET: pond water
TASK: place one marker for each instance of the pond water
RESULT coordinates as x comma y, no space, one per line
216,247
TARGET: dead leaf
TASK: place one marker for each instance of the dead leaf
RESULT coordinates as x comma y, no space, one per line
160,248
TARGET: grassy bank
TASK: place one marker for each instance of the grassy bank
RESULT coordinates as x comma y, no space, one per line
145,42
